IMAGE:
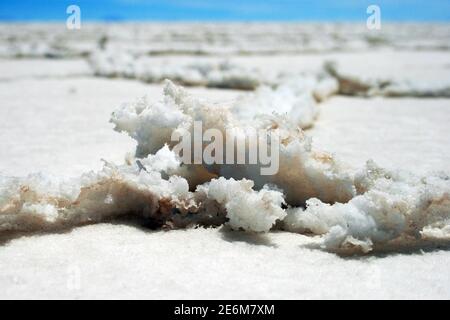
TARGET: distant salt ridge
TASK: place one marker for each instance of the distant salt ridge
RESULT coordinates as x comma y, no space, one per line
403,85
221,74
227,74
55,41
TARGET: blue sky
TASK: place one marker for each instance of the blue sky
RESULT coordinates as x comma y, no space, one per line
225,10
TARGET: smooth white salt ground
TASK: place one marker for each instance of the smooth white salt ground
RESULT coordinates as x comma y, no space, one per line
118,261
123,261
42,68
397,133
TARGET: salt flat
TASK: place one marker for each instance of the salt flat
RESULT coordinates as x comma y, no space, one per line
45,127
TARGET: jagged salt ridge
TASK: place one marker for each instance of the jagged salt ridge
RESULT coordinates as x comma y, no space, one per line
313,192
390,206
42,203
312,172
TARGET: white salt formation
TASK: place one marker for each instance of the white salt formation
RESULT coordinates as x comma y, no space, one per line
295,97
389,206
307,173
42,203
347,80
204,73
246,209
402,85
312,192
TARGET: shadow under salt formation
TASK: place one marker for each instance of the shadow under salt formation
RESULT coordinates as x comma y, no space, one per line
260,239
143,224
7,237
389,249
